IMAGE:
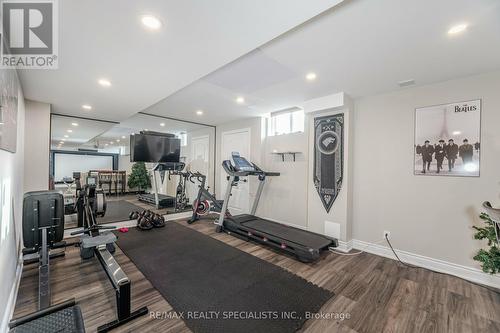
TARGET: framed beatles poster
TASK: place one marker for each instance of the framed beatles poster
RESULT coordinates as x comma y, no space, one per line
448,139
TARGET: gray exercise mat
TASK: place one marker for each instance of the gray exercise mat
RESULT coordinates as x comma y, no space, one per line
197,274
117,211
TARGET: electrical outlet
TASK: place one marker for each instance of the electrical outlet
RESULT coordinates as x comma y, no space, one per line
387,233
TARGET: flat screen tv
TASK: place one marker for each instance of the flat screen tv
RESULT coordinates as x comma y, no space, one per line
155,148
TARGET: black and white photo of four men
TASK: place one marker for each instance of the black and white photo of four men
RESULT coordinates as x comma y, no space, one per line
450,151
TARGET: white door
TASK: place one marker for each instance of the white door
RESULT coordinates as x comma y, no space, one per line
200,161
236,141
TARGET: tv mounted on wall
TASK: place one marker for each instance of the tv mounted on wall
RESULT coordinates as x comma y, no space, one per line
155,147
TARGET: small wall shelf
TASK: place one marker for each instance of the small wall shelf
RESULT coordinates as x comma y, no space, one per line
284,153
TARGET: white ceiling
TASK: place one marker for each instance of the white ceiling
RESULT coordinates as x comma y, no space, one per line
361,47
93,134
82,133
105,39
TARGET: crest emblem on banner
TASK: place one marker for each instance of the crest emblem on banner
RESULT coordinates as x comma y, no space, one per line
328,157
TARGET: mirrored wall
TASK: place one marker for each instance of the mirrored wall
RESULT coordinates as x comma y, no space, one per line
82,148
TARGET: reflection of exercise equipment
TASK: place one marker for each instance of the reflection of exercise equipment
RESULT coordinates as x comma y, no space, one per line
205,202
305,245
155,198
69,196
43,230
91,202
181,199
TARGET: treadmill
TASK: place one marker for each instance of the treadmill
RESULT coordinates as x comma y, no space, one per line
159,200
306,246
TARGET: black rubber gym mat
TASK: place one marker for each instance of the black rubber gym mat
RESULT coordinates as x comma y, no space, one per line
117,211
197,274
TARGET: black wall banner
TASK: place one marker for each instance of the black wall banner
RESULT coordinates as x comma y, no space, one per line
328,157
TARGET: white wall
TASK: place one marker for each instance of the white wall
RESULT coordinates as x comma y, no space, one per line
11,196
284,198
37,143
430,216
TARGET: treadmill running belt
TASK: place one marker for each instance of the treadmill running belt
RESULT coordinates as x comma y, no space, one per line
284,232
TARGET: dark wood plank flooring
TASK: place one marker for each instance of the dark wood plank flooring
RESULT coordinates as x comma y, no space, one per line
378,294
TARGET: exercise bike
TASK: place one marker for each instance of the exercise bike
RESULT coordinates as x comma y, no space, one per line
205,202
181,199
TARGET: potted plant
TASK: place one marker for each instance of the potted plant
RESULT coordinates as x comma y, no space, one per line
139,177
489,258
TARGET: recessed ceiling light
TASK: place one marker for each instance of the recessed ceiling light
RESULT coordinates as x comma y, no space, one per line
69,131
151,22
456,29
124,137
240,100
146,129
111,142
86,107
63,139
104,82
106,144
162,124
311,76
117,140
199,112
74,124
132,133
66,136
61,143
457,132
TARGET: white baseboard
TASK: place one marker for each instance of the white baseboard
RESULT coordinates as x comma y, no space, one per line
465,272
11,302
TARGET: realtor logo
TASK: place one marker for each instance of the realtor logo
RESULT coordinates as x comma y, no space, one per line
29,34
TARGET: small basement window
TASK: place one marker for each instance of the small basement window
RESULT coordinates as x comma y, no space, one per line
286,122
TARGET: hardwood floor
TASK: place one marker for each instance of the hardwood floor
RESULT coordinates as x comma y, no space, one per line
378,294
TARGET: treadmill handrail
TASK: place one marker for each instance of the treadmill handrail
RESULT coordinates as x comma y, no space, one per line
231,170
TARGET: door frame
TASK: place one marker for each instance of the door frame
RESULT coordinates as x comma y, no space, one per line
191,152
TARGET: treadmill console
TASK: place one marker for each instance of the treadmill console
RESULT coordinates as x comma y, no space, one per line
240,163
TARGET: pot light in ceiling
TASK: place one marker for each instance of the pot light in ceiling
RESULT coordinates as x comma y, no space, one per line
66,136
61,143
63,139
456,133
106,144
240,100
456,29
311,76
111,143
162,124
86,107
74,124
151,22
199,112
124,137
117,141
69,131
104,82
